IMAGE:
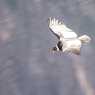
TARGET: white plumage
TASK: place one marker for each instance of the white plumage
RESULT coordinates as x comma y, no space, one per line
68,39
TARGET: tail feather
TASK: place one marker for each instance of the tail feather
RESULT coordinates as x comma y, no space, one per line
84,39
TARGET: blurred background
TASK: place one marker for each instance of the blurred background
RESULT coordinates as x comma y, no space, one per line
26,65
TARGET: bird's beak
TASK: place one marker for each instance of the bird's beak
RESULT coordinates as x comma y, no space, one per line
51,51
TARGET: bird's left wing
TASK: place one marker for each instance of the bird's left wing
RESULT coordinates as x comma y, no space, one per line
60,29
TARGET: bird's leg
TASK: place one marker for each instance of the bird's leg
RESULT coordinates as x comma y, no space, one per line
76,51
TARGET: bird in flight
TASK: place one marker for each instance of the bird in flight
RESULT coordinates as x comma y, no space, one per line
68,40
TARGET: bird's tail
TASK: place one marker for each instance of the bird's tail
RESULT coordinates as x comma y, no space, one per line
84,39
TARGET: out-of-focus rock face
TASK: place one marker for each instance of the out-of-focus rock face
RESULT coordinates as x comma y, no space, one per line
7,24
26,65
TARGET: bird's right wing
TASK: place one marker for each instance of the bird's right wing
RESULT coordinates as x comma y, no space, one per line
60,29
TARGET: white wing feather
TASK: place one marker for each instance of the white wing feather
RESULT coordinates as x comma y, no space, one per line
60,30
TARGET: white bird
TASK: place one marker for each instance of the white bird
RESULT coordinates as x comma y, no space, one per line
68,39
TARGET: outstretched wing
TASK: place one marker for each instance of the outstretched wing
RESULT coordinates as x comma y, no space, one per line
60,30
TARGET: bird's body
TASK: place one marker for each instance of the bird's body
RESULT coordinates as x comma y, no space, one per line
70,45
68,39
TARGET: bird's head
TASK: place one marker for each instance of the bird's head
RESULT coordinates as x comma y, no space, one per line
54,49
